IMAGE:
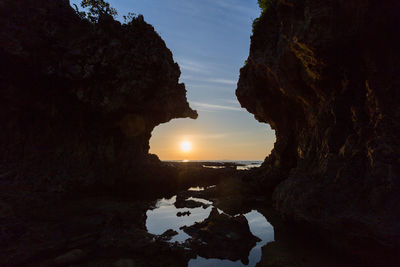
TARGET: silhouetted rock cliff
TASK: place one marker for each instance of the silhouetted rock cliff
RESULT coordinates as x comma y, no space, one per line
79,101
326,76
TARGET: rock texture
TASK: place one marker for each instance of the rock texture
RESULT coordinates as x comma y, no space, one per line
326,77
79,101
222,236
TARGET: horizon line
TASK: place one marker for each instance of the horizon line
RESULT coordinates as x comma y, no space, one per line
212,159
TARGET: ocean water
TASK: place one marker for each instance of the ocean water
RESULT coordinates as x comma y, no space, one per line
246,164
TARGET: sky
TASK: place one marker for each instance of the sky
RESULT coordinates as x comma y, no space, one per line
210,40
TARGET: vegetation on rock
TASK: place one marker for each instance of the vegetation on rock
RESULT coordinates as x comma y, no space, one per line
264,4
95,9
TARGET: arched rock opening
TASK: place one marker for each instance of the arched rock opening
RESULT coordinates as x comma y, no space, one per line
326,78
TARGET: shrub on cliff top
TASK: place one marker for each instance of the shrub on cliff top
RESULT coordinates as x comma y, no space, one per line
264,4
95,9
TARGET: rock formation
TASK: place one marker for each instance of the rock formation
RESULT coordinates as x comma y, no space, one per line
222,236
326,77
78,103
79,100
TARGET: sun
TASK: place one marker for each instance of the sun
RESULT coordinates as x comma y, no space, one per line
186,146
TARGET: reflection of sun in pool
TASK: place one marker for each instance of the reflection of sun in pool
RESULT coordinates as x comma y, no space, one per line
186,146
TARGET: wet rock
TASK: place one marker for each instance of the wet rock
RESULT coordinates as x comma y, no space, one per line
208,193
326,77
167,235
182,202
222,236
191,204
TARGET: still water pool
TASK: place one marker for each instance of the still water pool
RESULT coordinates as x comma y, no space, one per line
164,217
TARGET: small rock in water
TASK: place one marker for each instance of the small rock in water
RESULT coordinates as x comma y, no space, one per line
191,204
167,235
185,213
222,236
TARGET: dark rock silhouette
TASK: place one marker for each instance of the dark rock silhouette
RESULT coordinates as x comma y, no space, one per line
326,77
182,202
184,213
78,103
79,100
167,235
222,236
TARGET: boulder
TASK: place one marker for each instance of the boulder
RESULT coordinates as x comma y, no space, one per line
222,236
167,235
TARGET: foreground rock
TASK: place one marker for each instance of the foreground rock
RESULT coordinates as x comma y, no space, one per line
71,257
87,232
167,235
182,202
326,77
222,236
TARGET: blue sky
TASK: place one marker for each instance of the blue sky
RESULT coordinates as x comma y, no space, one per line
210,40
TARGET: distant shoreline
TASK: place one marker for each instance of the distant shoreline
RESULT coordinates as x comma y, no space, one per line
239,165
224,161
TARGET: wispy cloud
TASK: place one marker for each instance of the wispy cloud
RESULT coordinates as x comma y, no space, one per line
206,88
222,81
206,67
231,101
211,107
192,66
202,80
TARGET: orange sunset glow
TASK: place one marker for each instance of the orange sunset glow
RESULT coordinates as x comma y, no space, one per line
193,140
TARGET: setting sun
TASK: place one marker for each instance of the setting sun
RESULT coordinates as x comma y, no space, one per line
186,146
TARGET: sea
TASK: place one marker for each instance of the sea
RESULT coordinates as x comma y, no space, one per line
241,164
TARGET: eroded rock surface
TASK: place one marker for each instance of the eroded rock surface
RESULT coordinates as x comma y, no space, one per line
222,236
78,103
326,77
78,100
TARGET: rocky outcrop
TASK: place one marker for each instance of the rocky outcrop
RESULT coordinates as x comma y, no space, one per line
79,101
325,76
222,236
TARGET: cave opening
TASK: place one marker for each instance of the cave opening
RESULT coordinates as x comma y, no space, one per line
210,59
